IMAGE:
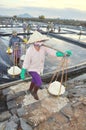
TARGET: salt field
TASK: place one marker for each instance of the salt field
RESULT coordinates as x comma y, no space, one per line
51,64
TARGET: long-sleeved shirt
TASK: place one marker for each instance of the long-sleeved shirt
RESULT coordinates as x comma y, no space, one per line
34,60
15,43
15,40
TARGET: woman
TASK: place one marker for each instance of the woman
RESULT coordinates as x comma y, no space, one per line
34,61
15,43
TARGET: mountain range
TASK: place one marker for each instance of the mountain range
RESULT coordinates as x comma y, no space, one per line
25,15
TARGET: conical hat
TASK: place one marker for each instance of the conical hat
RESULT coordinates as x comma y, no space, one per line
14,70
14,32
36,36
56,88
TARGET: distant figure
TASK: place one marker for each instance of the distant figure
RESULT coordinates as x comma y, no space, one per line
48,27
28,28
15,43
59,29
52,26
38,28
80,33
11,22
24,26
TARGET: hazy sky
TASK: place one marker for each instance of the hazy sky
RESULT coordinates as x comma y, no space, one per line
49,8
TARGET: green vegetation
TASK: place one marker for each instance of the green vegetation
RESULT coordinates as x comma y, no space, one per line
42,17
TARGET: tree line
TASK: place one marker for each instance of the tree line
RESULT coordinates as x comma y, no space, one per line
46,20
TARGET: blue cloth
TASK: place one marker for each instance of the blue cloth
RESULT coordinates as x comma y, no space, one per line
15,43
15,40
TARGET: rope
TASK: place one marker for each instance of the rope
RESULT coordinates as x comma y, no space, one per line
66,70
63,64
14,63
61,77
15,59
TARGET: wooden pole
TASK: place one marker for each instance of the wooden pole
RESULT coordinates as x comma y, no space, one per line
53,48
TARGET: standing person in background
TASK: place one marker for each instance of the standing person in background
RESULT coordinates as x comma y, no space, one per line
34,61
28,28
48,27
59,29
15,43
80,33
24,27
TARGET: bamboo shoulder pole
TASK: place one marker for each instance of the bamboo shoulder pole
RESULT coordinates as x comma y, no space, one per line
53,48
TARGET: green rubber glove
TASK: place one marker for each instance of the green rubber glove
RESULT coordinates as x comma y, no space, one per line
59,54
68,53
22,75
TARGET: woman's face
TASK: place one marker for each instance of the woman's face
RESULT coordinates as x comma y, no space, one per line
37,45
